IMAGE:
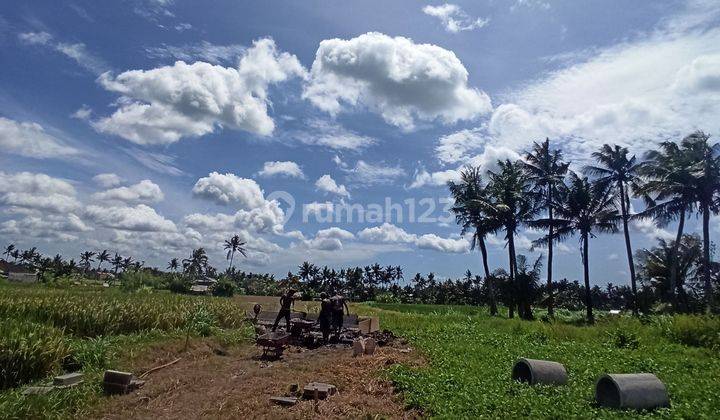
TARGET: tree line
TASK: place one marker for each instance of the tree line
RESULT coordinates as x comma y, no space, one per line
541,191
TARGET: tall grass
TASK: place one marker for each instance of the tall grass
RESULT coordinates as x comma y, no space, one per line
29,351
91,314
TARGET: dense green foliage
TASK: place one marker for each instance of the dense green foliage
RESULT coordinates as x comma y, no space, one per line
470,358
28,351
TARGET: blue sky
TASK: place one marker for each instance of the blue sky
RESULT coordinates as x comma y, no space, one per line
152,127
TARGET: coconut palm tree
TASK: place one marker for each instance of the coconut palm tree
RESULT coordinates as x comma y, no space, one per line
667,190
233,245
585,208
512,202
546,172
173,265
706,185
471,210
15,255
305,271
655,265
85,259
103,256
117,262
29,256
620,172
127,263
197,263
8,251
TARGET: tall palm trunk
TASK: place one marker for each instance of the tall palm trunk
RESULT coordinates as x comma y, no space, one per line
488,279
586,275
628,248
232,256
513,277
511,256
706,257
674,262
550,303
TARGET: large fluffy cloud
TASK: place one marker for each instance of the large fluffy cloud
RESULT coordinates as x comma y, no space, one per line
267,218
27,191
140,218
162,105
389,233
395,77
30,140
63,227
229,188
144,191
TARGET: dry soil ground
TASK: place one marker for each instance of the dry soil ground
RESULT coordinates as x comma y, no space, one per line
212,382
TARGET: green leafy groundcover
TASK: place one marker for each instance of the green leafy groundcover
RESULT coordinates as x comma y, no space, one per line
470,358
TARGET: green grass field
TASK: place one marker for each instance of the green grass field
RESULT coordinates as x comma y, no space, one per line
469,355
470,358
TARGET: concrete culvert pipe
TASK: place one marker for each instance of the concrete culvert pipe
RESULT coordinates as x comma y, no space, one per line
543,372
636,390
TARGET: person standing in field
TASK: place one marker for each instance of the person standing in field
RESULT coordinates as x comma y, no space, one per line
325,316
287,301
338,301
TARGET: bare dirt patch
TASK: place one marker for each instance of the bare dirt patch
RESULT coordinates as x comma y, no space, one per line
213,382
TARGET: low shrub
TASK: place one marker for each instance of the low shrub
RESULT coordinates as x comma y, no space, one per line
92,353
694,330
224,288
179,285
29,351
623,339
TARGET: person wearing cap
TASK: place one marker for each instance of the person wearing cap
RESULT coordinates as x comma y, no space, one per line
287,301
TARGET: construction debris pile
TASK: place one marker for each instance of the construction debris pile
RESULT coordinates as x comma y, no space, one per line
304,331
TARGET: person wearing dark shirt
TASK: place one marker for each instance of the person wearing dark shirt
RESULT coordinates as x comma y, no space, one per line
287,301
325,316
338,301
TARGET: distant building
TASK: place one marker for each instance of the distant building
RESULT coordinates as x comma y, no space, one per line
17,273
203,286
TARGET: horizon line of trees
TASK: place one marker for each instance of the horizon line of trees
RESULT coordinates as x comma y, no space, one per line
538,191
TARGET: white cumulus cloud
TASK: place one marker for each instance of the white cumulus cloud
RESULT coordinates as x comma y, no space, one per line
285,168
395,77
140,218
107,180
144,191
28,192
162,105
229,188
327,184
